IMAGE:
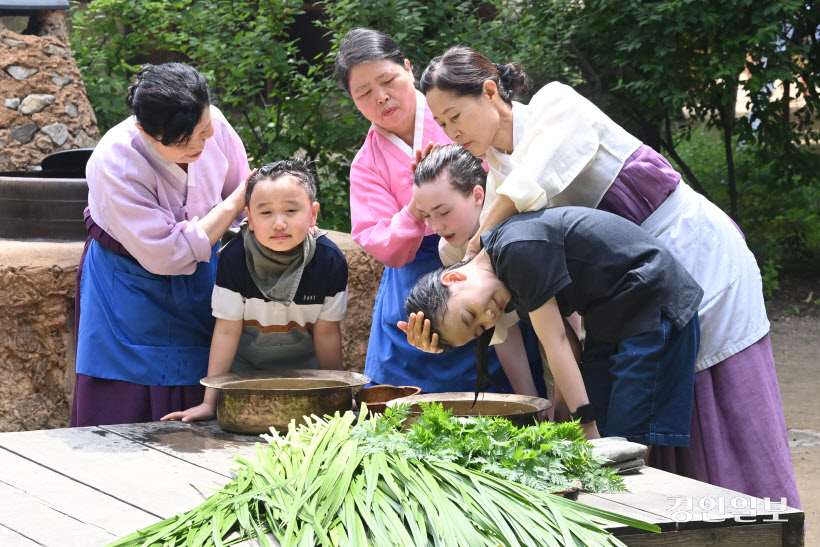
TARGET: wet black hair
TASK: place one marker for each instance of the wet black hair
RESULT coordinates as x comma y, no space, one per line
463,70
168,101
361,45
430,296
299,170
464,169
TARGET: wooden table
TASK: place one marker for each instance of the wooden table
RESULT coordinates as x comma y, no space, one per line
89,486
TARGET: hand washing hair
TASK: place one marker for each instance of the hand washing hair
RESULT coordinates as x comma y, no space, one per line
464,169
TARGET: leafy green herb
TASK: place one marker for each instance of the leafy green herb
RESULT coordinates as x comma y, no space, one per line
546,456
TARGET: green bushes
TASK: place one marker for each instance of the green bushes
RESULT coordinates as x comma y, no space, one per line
779,214
281,104
641,65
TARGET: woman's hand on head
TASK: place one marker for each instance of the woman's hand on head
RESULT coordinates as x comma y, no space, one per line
421,154
418,333
411,207
205,411
237,197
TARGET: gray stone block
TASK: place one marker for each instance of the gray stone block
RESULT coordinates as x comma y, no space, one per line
58,133
14,43
56,50
60,79
13,103
82,140
24,133
20,72
72,110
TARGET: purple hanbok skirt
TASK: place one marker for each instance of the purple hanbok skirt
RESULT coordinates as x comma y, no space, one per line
737,437
99,401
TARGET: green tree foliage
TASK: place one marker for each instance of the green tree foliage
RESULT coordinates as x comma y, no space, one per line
281,103
647,62
669,70
426,29
644,63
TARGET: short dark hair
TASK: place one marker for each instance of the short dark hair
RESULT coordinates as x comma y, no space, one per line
168,101
301,171
465,170
361,45
463,70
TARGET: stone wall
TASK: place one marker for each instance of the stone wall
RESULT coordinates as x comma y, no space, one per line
37,281
43,102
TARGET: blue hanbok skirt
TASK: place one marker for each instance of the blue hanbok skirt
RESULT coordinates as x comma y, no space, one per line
391,360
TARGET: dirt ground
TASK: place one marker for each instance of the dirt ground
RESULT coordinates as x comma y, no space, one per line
795,317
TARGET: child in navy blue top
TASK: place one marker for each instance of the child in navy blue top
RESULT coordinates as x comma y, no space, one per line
281,291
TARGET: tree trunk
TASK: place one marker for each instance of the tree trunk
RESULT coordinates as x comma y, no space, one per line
727,122
786,100
730,164
691,179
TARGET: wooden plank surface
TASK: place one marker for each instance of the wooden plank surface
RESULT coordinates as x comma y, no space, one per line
693,504
98,484
33,520
612,504
131,472
9,537
203,444
49,497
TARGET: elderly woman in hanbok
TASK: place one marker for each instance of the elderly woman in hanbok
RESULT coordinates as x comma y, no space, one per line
385,221
164,186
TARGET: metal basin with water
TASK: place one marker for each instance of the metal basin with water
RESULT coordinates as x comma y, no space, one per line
521,410
256,401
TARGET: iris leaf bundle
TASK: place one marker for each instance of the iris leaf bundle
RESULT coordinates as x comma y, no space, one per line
314,486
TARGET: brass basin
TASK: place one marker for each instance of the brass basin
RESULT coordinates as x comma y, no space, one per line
521,410
253,402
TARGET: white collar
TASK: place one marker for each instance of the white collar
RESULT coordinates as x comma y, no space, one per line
520,116
418,134
177,171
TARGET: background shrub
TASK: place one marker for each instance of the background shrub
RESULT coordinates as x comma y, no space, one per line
644,64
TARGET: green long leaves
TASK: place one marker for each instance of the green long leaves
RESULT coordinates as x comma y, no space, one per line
315,486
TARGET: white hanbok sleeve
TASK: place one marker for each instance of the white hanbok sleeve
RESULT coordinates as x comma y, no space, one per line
560,140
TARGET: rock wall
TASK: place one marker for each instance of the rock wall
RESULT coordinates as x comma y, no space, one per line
37,281
365,274
43,102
